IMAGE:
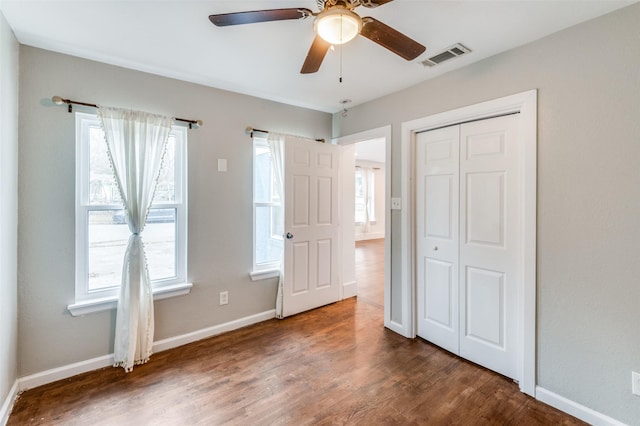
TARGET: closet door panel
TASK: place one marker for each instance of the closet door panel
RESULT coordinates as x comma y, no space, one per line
489,245
437,196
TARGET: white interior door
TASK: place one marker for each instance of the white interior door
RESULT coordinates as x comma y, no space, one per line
311,222
469,260
437,189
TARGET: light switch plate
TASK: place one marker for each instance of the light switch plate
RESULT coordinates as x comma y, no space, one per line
222,164
396,203
635,383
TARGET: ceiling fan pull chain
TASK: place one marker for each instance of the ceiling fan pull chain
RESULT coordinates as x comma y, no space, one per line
340,76
340,63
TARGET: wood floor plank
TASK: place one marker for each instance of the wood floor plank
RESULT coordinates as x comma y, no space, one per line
335,365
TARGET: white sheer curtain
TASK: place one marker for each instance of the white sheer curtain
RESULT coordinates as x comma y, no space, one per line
364,172
136,143
367,180
276,147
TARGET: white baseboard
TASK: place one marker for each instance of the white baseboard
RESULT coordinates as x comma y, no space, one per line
173,342
583,413
74,369
369,236
59,373
349,289
397,328
7,405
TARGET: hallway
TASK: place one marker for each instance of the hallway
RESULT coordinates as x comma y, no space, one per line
370,271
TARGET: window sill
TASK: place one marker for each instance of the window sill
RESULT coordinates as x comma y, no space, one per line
107,303
263,275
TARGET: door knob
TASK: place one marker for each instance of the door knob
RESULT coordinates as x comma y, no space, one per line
289,235
435,248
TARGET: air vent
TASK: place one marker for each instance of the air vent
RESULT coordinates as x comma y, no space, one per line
449,53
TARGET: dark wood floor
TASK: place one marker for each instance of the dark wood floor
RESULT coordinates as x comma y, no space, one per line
336,365
370,272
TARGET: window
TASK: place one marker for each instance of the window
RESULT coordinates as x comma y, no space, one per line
101,230
268,212
365,178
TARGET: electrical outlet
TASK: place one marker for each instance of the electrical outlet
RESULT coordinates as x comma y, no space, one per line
224,298
635,383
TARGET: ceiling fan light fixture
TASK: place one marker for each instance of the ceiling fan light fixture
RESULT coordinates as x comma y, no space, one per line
338,25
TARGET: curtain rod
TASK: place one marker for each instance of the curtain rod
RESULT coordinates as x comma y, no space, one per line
193,124
250,131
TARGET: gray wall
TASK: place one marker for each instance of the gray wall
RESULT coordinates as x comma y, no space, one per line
588,81
220,209
8,209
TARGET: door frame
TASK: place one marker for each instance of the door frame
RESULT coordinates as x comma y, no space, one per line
524,103
380,132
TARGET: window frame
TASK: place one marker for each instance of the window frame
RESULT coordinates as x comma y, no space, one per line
265,269
371,180
87,300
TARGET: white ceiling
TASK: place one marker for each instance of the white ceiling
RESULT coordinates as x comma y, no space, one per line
176,39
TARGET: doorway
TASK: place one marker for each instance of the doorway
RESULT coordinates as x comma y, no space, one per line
369,218
366,237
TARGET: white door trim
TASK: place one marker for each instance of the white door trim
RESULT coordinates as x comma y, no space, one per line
381,132
524,103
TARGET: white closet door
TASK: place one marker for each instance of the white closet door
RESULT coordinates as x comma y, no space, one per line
311,254
437,189
490,252
468,213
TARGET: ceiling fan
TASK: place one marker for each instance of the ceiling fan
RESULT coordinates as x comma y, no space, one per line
336,23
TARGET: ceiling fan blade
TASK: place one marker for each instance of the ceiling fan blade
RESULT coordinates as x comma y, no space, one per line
391,39
316,55
252,17
373,3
